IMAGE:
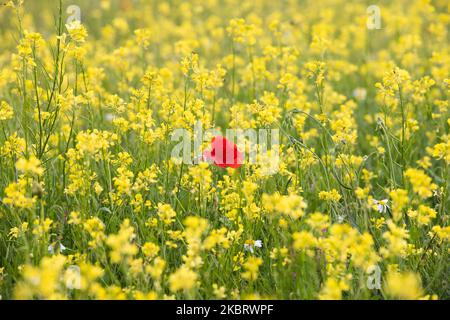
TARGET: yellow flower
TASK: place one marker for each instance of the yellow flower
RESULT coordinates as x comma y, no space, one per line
404,286
98,188
152,295
379,223
31,166
442,232
123,181
316,70
195,227
150,250
74,218
332,195
143,37
43,281
121,243
318,221
16,194
156,269
217,237
141,223
219,292
241,32
425,162
439,151
13,146
77,31
421,183
251,266
42,227
200,177
399,201
95,227
6,111
396,238
333,288
291,205
182,279
166,213
92,142
425,214
303,240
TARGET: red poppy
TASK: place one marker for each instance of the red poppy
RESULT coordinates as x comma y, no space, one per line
223,153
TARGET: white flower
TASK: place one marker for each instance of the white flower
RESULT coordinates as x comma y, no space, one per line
360,94
250,244
110,117
51,248
381,205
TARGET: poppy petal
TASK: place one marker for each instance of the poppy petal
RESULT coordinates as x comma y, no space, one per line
224,153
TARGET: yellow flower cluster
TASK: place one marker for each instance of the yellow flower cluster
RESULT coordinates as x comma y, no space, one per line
291,205
344,191
6,111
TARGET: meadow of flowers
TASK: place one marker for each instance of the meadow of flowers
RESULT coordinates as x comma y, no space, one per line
352,203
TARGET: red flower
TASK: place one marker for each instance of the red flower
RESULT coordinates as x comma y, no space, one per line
224,153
